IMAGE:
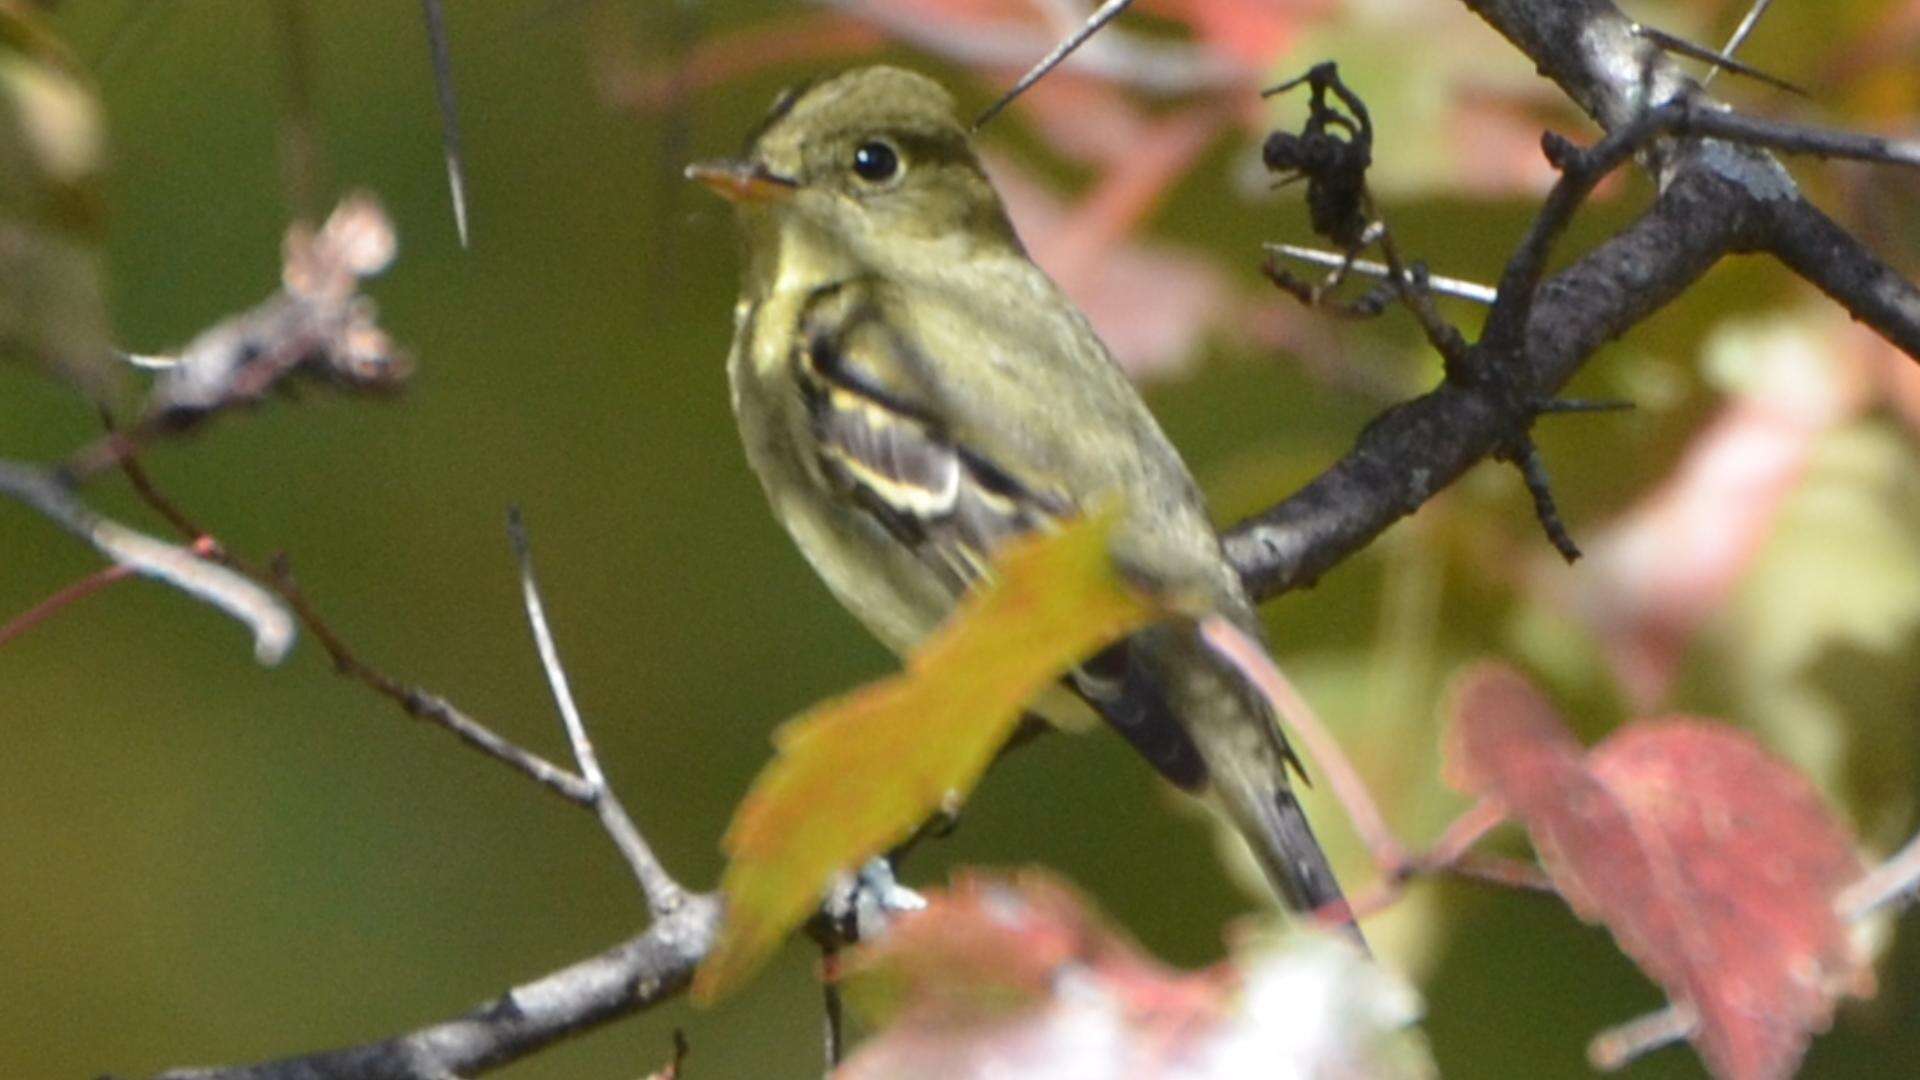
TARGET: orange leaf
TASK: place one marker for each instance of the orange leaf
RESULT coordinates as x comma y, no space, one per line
859,773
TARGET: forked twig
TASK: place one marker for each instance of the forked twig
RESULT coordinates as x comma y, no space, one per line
664,894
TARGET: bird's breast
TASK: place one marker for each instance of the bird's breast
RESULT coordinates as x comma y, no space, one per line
890,591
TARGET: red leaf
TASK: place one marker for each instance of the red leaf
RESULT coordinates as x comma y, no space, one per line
1507,742
1714,864
1761,859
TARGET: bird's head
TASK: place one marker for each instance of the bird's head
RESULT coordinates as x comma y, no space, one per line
873,160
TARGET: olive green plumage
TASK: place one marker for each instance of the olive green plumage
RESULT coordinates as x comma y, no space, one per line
912,390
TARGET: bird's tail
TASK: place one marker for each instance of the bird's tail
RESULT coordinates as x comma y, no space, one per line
1247,761
1297,867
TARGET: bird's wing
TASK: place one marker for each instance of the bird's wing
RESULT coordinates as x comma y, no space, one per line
882,439
884,444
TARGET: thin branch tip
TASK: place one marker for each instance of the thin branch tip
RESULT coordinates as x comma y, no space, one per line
1101,16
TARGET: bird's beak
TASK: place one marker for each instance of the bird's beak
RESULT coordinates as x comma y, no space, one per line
742,181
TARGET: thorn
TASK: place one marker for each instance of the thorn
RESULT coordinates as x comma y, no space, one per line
1320,72
1740,33
1688,49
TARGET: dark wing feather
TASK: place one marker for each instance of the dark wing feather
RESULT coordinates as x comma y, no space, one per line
894,458
1124,692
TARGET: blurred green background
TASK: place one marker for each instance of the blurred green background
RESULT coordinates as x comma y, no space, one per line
202,861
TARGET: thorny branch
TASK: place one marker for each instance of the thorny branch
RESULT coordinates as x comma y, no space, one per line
1717,198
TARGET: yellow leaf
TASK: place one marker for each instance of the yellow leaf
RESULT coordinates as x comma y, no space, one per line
859,773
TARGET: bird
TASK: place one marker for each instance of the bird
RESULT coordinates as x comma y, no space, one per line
913,392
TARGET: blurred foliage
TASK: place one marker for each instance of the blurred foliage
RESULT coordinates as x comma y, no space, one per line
51,156
208,862
1021,977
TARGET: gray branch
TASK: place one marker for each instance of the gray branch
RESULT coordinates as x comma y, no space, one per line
1716,198
47,493
664,894
624,979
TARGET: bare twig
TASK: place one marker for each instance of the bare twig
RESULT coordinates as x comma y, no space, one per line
1620,1046
1462,834
1837,264
1458,288
448,101
423,705
1789,138
1413,287
62,600
1895,881
1682,47
46,493
644,970
1580,171
1150,65
150,494
414,701
1739,35
1533,470
663,893
1101,16
583,752
1495,870
633,975
1451,854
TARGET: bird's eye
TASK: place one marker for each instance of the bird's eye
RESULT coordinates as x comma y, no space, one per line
876,162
